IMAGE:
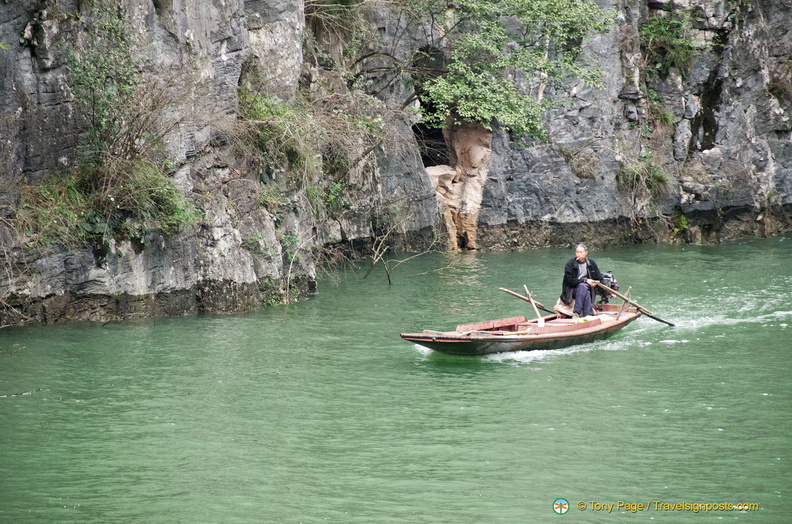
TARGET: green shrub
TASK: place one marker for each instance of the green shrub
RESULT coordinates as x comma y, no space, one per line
583,165
283,135
680,222
118,189
71,209
665,45
272,199
55,211
104,77
641,177
335,200
316,144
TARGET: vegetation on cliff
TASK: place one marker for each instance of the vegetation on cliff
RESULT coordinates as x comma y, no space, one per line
482,61
497,67
275,172
475,64
121,187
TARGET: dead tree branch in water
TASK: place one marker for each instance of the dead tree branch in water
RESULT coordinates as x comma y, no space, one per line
382,245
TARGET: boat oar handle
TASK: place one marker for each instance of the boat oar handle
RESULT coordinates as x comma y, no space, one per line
538,304
634,303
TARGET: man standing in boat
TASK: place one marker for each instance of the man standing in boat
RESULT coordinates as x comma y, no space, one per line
580,275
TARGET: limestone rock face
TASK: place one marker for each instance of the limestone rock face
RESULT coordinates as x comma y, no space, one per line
712,137
723,145
275,29
232,261
239,255
461,188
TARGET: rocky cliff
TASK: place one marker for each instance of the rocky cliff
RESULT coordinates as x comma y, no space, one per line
717,126
696,150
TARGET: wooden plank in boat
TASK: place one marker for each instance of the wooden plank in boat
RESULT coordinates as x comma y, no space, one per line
490,324
559,328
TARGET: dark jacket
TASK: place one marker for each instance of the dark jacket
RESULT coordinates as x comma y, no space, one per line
571,279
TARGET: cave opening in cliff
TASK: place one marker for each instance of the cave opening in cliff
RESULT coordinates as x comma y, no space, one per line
429,62
432,145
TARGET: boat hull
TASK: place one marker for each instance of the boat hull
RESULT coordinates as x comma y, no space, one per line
552,336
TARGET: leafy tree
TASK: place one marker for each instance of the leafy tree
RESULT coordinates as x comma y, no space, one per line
498,57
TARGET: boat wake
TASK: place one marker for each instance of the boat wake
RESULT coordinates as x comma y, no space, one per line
520,358
714,319
623,342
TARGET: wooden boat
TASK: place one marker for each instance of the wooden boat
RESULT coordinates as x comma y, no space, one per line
520,334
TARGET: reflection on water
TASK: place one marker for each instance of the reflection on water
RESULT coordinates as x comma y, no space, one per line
318,412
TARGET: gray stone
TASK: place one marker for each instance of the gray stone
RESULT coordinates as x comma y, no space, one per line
728,157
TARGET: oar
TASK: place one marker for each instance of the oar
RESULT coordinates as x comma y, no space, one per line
624,304
540,320
538,304
636,304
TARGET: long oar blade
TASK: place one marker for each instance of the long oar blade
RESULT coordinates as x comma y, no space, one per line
634,303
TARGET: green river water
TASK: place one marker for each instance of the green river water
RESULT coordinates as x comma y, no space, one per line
319,412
